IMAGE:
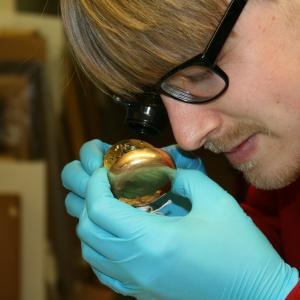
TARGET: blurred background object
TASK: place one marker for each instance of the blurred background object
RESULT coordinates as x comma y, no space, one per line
50,7
48,108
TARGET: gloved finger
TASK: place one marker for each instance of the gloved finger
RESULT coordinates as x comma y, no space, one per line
74,178
102,264
112,215
114,284
208,198
184,159
74,205
103,242
91,155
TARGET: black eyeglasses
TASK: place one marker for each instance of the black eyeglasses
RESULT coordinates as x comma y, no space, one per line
198,80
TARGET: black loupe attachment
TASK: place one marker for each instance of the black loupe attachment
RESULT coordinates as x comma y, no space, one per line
146,116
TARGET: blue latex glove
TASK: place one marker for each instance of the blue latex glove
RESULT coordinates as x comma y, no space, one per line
215,252
76,174
91,157
180,206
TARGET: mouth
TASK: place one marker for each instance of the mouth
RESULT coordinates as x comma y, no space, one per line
243,151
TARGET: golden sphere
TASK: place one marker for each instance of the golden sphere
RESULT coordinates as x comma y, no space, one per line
138,172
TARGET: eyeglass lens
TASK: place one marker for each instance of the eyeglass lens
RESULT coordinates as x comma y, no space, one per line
194,83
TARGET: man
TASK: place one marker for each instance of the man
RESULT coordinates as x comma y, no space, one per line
236,95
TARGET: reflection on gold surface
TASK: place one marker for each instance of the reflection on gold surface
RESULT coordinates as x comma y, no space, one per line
138,172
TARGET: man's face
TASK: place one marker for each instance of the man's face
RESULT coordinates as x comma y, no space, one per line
256,122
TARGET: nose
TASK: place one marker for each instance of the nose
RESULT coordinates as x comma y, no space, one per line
192,124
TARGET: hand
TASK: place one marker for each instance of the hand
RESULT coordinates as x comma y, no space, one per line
214,252
180,206
77,173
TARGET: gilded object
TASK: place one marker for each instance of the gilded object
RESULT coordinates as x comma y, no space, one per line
138,172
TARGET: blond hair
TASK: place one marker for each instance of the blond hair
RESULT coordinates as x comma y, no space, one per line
126,45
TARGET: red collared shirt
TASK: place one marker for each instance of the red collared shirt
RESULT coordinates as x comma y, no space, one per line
277,214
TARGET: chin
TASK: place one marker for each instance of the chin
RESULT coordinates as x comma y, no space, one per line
272,180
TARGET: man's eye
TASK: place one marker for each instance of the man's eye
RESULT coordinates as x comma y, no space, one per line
199,76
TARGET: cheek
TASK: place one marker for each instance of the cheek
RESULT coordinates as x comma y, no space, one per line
180,117
260,84
262,97
168,103
264,78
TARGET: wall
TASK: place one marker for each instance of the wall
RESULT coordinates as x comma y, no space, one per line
7,5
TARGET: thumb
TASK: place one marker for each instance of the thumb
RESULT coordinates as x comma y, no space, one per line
184,159
207,197
91,155
114,216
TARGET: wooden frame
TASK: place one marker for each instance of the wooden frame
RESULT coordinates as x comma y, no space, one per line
28,180
10,246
